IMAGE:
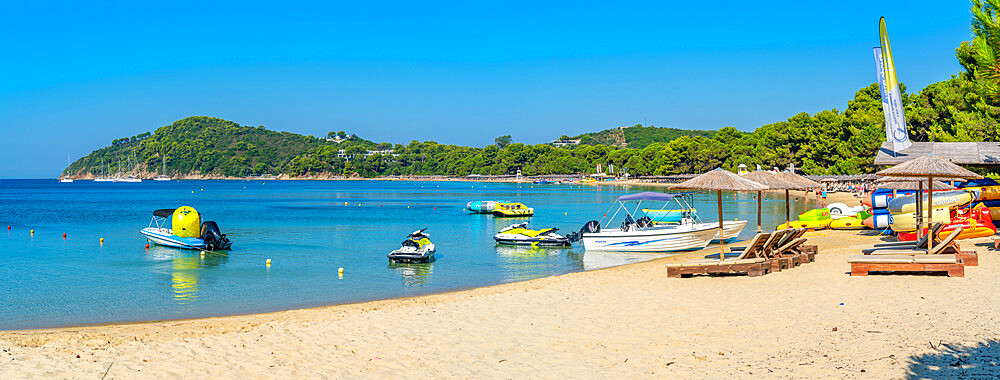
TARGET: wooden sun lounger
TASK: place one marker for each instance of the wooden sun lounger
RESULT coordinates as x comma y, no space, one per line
946,246
754,246
750,267
861,265
750,261
921,243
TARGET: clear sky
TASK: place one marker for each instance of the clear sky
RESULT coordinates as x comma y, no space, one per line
75,75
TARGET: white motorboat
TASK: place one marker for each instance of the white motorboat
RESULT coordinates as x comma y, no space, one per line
642,235
730,229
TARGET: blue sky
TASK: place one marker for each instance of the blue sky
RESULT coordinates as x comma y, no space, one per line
75,75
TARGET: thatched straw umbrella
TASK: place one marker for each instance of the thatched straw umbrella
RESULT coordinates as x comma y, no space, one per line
802,182
929,166
775,182
905,183
720,180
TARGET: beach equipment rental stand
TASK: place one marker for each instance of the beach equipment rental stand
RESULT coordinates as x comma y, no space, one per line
929,166
720,180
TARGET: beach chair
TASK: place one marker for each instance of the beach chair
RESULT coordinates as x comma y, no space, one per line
778,263
921,243
914,260
945,246
750,261
755,244
793,246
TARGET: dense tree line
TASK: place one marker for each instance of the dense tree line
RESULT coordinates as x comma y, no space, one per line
963,108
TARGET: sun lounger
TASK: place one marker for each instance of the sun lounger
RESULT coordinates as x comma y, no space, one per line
750,267
946,246
861,265
751,261
922,242
755,244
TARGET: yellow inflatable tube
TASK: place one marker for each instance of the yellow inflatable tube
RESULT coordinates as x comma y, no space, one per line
808,224
849,223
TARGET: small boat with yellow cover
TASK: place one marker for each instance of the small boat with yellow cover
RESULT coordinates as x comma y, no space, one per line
807,224
520,234
512,209
186,230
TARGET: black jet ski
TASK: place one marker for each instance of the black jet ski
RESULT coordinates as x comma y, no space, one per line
520,234
417,248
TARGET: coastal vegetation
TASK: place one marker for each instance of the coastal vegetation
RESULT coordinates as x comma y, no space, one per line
965,107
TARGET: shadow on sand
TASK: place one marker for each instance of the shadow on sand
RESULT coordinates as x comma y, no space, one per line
955,361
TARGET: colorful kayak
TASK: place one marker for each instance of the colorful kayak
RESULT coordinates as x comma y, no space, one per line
808,224
943,199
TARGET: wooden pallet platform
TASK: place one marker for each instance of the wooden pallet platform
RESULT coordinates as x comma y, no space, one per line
752,270
862,269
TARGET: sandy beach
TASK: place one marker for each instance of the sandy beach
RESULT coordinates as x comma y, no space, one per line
810,321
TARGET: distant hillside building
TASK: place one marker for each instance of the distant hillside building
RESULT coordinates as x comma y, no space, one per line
562,143
337,139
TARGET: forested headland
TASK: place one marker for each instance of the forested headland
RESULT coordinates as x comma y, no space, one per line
965,107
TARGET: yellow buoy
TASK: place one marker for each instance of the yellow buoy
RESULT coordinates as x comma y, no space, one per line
267,262
102,240
32,232
340,270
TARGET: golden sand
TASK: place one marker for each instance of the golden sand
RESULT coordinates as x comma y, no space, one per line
811,321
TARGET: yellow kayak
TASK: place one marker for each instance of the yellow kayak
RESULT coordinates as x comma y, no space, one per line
849,223
808,224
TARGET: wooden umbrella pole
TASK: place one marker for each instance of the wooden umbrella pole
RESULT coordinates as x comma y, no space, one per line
920,208
758,210
722,241
930,209
788,219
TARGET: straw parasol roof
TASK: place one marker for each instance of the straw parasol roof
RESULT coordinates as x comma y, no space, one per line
828,180
911,184
720,179
769,179
799,181
929,165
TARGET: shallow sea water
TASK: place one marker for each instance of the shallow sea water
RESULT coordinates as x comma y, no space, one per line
308,229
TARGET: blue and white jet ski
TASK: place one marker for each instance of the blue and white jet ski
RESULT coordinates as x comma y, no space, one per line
187,231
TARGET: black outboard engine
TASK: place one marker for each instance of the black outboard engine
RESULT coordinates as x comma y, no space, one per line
590,227
214,239
644,222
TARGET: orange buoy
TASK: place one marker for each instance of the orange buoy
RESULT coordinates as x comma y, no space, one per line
64,236
147,245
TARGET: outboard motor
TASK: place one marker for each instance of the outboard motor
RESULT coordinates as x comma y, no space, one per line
213,237
590,227
644,222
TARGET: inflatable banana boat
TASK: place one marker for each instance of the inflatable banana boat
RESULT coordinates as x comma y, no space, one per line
669,216
942,199
815,215
855,222
807,224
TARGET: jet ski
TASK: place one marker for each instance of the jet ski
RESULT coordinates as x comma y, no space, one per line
520,234
186,230
417,248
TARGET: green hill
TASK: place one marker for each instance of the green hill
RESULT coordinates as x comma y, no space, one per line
203,145
637,136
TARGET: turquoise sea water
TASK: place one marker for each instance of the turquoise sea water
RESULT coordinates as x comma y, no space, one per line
304,227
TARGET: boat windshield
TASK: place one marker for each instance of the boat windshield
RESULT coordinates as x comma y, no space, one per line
675,209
